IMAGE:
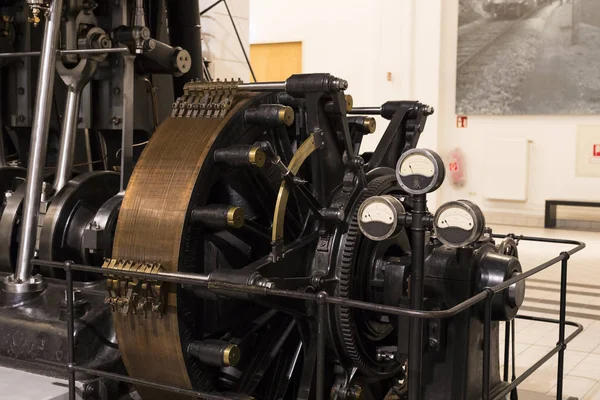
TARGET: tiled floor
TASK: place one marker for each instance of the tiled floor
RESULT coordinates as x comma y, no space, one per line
534,339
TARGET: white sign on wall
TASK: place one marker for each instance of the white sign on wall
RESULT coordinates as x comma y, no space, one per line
588,151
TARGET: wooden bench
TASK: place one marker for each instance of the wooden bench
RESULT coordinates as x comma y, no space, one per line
550,215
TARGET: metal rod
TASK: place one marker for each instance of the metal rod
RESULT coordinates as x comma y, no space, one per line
207,9
506,348
70,331
365,111
39,140
321,297
65,52
487,339
202,280
68,137
415,350
127,91
240,40
154,385
263,86
561,326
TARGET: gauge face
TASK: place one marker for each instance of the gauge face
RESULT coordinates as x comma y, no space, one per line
417,164
459,223
378,217
420,171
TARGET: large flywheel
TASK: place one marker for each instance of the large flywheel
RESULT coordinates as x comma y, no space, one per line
176,174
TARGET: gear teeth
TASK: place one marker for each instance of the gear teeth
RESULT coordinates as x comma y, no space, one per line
346,321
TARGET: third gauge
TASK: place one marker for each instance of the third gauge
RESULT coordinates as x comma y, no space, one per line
459,223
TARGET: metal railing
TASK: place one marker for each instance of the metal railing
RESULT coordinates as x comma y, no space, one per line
322,299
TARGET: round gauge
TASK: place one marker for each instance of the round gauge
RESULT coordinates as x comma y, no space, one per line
459,223
420,171
378,217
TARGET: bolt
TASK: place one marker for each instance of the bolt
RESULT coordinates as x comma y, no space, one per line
21,91
77,295
432,344
116,91
116,121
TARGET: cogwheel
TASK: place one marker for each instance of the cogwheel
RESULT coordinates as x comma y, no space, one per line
346,264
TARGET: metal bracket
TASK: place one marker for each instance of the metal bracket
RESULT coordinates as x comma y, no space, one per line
132,295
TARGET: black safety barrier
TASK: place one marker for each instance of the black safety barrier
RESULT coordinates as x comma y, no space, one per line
322,299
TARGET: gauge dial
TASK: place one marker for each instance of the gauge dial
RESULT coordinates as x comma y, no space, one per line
420,171
459,223
378,217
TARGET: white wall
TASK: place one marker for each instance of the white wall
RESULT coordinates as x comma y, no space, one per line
220,43
552,158
361,41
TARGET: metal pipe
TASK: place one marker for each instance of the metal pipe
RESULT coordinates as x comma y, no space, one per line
202,280
76,79
185,31
415,350
70,331
127,91
64,166
561,326
66,52
506,348
487,340
263,86
321,297
365,111
39,140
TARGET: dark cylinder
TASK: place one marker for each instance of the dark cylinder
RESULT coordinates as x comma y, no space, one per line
270,115
162,58
349,104
216,353
217,216
241,155
364,125
287,100
415,352
184,31
300,84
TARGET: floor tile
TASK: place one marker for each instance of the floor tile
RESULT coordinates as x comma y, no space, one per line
574,386
593,393
589,367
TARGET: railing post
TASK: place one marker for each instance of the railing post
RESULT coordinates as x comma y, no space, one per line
70,330
506,348
321,297
485,387
561,326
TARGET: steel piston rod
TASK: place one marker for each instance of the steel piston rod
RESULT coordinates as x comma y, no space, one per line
365,111
66,52
263,86
37,151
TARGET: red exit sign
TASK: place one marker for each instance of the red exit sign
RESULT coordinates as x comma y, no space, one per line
462,121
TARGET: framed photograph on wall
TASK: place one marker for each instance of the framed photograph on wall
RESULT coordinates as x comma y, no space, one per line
528,57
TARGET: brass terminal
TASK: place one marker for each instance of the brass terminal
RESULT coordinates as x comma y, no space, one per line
286,115
258,157
370,124
235,217
231,355
349,102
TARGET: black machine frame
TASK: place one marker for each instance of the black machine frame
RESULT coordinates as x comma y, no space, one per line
322,299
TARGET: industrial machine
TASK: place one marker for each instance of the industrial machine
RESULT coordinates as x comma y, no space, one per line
252,250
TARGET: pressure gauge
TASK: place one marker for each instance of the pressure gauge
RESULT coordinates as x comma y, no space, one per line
420,171
459,223
378,217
